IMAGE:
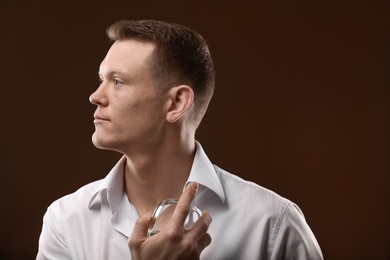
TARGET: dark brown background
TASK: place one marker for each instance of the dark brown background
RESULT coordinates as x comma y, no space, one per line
301,107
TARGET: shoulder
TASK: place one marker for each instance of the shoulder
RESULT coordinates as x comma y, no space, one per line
249,195
75,201
237,186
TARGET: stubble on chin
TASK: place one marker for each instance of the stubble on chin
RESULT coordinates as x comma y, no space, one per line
97,142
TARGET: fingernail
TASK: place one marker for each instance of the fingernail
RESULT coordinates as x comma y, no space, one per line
210,219
194,186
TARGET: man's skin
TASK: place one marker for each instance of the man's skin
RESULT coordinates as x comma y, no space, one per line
173,242
154,130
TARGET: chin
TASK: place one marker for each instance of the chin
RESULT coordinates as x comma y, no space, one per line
100,143
105,143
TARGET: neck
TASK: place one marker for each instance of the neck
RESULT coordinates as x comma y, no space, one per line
158,173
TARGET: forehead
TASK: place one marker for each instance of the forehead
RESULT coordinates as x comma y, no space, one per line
126,56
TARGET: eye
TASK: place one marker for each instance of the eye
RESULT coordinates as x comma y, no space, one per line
117,82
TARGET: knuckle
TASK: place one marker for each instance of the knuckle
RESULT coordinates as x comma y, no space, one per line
184,209
186,246
204,241
208,239
174,235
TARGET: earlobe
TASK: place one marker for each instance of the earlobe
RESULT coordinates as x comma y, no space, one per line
181,98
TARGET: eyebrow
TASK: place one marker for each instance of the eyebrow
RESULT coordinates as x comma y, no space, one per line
114,72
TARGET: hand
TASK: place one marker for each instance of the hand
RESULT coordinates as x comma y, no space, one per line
174,241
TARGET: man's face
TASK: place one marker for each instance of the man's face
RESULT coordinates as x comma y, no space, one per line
130,109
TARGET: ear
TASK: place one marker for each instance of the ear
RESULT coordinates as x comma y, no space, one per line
181,98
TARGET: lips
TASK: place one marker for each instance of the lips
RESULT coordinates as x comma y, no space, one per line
99,118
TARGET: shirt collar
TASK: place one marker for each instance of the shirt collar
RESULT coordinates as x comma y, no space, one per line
202,172
113,185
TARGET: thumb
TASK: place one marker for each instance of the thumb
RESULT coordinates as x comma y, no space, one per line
139,233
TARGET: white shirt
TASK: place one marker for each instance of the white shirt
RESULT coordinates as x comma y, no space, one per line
249,221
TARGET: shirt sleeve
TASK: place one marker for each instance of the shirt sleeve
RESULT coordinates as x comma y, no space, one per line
294,239
52,244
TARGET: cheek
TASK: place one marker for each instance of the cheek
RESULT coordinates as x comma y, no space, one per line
137,116
140,110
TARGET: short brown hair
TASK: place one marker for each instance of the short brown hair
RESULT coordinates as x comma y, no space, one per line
181,56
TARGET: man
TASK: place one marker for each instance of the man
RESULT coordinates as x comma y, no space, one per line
156,83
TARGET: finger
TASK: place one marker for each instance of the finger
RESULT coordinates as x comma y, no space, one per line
139,233
184,204
203,242
199,229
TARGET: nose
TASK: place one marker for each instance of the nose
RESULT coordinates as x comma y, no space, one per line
99,97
